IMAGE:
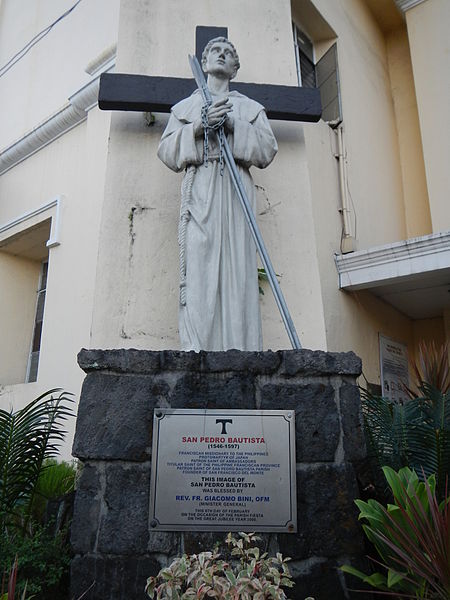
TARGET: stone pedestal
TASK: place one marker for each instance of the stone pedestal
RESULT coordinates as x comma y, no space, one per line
111,537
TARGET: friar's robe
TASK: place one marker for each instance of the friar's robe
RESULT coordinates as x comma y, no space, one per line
219,284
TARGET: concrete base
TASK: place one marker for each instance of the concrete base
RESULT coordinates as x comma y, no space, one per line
115,550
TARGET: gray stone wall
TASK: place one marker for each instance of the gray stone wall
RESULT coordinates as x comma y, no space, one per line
114,546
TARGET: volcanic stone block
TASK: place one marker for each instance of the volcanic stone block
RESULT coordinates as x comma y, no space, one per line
176,360
316,362
317,427
327,516
126,498
119,361
197,390
117,578
200,541
87,509
104,416
354,441
321,579
164,542
236,360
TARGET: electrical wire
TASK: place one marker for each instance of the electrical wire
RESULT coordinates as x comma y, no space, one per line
37,38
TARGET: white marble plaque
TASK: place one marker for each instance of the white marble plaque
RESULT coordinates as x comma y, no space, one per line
223,470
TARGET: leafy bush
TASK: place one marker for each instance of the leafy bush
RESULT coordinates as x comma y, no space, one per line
28,437
55,480
411,536
248,575
43,562
8,587
416,433
31,556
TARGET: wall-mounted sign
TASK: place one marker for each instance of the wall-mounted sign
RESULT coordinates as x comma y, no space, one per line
223,470
393,369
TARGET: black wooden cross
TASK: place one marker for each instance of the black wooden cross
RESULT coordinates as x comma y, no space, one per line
144,93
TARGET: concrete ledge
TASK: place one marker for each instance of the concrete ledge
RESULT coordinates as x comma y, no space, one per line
287,363
390,264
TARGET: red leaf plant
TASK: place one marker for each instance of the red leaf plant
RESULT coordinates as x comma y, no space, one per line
412,537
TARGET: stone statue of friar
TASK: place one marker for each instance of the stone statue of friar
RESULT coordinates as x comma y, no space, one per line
219,295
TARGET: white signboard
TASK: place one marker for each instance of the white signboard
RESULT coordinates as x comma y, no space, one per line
394,369
223,470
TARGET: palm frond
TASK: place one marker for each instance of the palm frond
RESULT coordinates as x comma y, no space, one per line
431,368
415,433
55,480
27,438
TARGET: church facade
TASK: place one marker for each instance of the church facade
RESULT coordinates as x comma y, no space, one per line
354,209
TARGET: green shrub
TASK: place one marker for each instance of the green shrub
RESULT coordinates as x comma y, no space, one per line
414,434
43,563
8,585
248,574
411,536
55,480
28,437
29,476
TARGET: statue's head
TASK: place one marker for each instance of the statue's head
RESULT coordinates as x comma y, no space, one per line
217,46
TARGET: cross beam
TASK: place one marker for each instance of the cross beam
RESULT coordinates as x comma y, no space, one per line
143,93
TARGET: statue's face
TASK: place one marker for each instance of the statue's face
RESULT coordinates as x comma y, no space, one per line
220,61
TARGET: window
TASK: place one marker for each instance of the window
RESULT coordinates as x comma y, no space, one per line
33,361
322,74
304,58
327,76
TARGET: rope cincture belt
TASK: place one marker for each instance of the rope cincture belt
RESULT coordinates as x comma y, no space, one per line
185,215
218,128
186,191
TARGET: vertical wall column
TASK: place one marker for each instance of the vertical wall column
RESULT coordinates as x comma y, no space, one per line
428,33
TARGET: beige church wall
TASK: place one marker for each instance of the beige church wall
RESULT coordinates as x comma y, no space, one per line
286,219
353,321
417,209
429,330
74,167
361,320
53,69
428,32
372,148
375,190
19,281
260,29
138,237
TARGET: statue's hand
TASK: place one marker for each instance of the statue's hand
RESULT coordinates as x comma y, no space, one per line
218,110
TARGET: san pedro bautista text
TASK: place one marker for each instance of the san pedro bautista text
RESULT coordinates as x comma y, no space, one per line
222,441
